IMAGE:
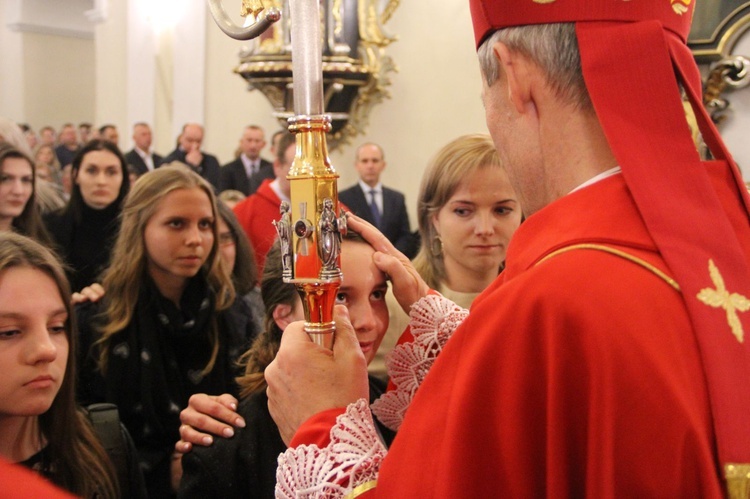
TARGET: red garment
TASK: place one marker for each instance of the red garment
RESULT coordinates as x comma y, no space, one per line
578,376
20,482
256,214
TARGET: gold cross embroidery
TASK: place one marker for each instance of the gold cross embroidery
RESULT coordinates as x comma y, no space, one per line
721,298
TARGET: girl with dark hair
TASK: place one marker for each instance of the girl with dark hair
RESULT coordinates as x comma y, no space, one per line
40,424
18,209
246,464
239,260
85,228
164,329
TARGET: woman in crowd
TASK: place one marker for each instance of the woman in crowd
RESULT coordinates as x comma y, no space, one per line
83,231
162,331
239,261
45,158
18,209
40,424
246,464
467,212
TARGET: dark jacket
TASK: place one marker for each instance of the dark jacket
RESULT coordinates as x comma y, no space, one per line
134,159
84,246
208,169
394,219
234,176
245,465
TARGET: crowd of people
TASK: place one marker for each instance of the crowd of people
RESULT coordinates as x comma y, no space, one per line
168,301
573,318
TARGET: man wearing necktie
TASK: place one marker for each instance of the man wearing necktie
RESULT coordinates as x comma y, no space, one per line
383,207
248,171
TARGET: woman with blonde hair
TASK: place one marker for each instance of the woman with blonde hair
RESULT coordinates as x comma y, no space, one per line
163,331
41,426
467,212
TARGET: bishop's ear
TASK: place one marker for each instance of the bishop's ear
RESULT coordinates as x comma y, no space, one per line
517,70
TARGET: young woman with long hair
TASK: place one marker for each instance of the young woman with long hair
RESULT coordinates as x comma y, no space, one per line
40,423
162,331
18,209
84,230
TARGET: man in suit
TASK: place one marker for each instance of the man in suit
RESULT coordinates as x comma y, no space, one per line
379,205
109,133
247,172
257,212
141,158
68,147
189,152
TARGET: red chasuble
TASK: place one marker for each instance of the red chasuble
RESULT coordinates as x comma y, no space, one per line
577,372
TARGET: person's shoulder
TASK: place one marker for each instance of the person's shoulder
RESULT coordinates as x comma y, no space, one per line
351,194
232,164
393,192
130,155
210,159
173,156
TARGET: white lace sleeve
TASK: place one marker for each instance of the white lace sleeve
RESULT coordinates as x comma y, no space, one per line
432,319
350,462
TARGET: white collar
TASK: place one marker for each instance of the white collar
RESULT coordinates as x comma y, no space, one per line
366,188
598,178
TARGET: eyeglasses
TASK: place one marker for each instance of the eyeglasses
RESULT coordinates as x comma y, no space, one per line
226,238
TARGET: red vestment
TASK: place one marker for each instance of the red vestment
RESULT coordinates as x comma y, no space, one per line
256,214
576,376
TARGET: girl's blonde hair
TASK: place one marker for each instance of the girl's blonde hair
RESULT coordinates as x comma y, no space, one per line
456,161
126,276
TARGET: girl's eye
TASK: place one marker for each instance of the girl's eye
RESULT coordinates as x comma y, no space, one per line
26,180
378,295
111,172
176,224
205,224
10,333
503,210
4,178
462,212
341,298
57,329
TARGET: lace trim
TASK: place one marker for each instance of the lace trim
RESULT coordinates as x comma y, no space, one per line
432,319
351,459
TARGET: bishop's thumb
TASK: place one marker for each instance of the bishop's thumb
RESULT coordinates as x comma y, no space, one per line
346,339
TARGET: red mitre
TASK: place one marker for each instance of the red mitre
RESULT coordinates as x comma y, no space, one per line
632,54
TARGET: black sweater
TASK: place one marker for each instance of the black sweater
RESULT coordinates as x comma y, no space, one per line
244,466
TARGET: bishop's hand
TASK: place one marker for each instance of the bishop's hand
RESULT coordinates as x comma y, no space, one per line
305,379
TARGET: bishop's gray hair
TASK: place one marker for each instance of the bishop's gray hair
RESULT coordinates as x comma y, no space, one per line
553,47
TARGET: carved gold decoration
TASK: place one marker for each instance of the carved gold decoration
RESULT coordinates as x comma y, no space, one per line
355,66
738,480
727,74
253,7
389,10
722,298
